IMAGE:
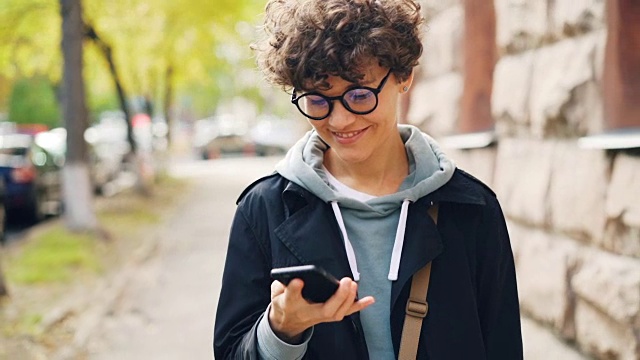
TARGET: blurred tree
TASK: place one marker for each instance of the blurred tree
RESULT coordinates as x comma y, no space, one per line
79,214
24,51
107,51
34,101
165,48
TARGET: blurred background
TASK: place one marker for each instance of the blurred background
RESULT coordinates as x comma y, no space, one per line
112,113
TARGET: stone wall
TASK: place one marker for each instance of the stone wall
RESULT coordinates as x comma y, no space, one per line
573,214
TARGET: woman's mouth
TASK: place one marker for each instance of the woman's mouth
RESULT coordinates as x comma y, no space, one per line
348,137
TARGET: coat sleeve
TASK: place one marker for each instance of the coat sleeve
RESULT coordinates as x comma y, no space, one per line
245,293
497,290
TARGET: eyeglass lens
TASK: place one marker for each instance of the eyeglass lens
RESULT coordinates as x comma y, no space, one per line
357,100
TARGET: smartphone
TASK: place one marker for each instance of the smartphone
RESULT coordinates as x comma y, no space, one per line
319,285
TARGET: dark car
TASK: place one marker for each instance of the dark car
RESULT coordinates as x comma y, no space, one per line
32,177
3,214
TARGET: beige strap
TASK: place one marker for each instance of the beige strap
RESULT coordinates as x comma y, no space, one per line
417,306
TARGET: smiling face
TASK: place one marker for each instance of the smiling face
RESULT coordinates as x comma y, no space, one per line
363,139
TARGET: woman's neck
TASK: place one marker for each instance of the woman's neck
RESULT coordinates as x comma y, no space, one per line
381,174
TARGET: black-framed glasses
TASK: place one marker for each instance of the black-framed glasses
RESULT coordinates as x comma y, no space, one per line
360,100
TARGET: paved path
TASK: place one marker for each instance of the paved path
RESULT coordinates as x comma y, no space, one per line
166,310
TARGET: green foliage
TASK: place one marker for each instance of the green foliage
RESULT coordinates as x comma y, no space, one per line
203,43
55,255
34,101
30,39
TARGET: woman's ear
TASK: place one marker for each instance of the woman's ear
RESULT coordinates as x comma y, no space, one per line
406,85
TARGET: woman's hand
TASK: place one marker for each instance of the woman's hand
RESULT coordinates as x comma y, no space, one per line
291,314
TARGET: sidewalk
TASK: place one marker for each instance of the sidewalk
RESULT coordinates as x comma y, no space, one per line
166,308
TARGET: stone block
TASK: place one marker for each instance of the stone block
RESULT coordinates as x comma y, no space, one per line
601,42
443,43
543,265
571,17
520,25
523,172
622,233
478,162
541,344
610,283
510,97
623,195
621,239
435,104
577,191
558,70
583,113
602,336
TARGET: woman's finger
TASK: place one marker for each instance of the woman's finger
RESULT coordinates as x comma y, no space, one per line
293,292
347,303
331,306
360,305
277,288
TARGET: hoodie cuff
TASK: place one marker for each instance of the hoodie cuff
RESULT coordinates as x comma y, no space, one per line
271,347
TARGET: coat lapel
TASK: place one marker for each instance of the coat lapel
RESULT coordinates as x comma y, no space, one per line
311,234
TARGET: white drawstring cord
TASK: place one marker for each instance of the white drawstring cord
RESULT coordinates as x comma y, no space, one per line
399,242
351,255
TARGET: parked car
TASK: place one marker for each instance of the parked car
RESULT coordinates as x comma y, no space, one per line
220,136
105,157
32,177
274,136
3,213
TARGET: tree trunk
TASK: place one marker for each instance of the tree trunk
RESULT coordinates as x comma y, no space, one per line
3,286
79,212
107,52
166,103
140,163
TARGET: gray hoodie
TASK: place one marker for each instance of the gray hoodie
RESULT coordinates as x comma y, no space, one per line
372,231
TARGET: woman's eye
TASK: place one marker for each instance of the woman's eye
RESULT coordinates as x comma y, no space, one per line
359,95
316,101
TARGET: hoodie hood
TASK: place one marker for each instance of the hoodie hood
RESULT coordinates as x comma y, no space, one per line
429,169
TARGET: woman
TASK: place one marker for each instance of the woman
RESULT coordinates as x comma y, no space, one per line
353,197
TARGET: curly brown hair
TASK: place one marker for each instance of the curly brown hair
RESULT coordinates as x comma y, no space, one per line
306,41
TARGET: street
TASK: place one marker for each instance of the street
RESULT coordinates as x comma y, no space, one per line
167,308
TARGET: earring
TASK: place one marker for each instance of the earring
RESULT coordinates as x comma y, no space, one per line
405,89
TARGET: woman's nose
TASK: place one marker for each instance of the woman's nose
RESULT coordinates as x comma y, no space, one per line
340,117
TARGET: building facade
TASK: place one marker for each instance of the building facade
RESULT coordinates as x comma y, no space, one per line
540,99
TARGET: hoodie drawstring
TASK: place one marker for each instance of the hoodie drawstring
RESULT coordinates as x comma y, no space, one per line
396,254
399,242
351,255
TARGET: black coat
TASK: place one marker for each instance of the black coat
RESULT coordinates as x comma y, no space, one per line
473,300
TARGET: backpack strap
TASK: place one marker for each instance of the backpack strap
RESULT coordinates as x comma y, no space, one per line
417,306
